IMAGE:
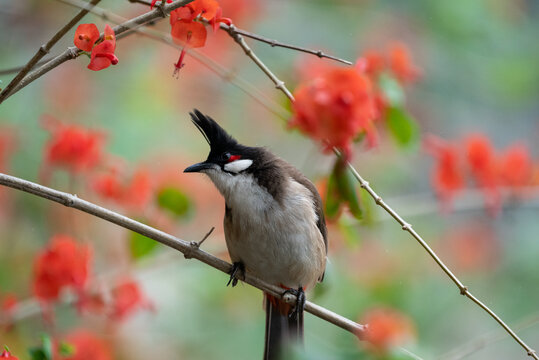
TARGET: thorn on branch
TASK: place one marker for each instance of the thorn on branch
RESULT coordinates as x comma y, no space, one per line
196,245
406,227
364,184
463,290
43,49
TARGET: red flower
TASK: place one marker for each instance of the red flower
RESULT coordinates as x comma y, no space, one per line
448,175
335,108
63,264
136,193
154,1
372,63
214,22
481,160
189,33
127,298
472,246
72,147
387,328
401,64
87,346
103,54
6,355
85,36
9,303
516,166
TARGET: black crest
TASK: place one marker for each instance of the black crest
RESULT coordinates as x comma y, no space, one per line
214,134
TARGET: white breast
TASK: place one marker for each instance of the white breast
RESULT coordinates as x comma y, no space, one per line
278,242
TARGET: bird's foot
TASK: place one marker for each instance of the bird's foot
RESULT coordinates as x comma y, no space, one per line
237,273
299,293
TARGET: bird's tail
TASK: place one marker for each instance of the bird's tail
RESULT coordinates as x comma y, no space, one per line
282,330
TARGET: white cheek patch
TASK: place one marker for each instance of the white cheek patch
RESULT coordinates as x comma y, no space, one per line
238,165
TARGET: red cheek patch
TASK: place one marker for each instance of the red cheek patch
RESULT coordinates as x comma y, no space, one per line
234,158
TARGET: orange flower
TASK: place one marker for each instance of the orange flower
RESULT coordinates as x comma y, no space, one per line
127,298
63,264
85,36
387,328
400,62
448,175
72,147
103,54
472,246
6,355
483,167
87,346
134,193
335,108
516,166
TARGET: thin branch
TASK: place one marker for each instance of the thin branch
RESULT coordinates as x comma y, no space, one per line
379,201
271,42
43,50
211,64
275,43
183,246
463,289
16,69
481,342
279,84
73,52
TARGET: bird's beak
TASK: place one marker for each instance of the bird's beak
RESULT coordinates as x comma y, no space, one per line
199,167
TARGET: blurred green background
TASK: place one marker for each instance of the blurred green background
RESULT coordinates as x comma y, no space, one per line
480,74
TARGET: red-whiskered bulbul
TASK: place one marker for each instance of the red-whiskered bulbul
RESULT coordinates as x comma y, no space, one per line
274,225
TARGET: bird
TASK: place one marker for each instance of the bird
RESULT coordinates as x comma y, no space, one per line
274,226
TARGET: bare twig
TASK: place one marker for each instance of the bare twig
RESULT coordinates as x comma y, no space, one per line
73,52
16,69
279,84
211,64
271,42
462,288
379,201
183,246
44,49
481,342
198,243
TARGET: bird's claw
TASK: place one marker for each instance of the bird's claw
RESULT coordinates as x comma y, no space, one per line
237,273
299,293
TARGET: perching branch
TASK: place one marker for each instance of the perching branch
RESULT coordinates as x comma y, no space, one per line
188,249
379,201
43,50
73,52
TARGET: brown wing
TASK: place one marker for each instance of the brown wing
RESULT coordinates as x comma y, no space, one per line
269,176
302,179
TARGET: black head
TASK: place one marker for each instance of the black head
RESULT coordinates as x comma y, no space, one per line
225,152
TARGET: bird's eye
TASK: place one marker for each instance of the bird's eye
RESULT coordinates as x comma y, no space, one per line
226,156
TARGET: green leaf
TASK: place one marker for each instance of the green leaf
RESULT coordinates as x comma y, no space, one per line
402,126
392,90
66,349
44,352
174,201
347,189
141,245
333,198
